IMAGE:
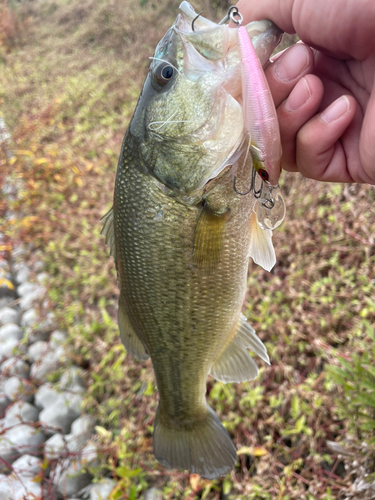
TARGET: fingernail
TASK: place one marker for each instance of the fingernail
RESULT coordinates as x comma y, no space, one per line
299,95
335,110
291,65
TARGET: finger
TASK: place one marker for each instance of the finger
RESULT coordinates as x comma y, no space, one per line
320,23
278,11
319,153
301,105
367,140
292,65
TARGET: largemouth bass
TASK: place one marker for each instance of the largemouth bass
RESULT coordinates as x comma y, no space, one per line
181,236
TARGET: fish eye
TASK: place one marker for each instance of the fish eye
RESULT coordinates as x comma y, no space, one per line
163,73
263,174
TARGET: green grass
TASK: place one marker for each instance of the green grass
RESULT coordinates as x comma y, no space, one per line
70,76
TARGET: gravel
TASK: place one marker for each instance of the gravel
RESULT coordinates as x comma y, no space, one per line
40,420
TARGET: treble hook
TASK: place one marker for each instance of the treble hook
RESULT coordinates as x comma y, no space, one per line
252,186
231,14
193,21
238,192
268,203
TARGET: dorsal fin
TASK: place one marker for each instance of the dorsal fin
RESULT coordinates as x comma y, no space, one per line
108,231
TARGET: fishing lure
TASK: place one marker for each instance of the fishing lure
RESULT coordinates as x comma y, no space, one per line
262,129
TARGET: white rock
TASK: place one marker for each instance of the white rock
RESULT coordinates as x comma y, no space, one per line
80,433
26,288
57,338
38,265
14,366
89,455
4,400
6,488
4,264
15,389
9,315
7,349
83,425
27,466
10,331
46,325
19,265
23,275
55,447
70,479
25,488
60,415
35,333
46,396
101,491
37,351
74,401
42,278
21,412
8,455
29,317
72,378
29,299
48,364
5,301
26,439
153,494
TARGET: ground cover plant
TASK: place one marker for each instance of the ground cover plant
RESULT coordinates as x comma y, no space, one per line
70,75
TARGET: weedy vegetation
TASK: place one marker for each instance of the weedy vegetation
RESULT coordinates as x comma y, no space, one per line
70,76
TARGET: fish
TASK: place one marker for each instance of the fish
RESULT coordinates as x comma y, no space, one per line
181,237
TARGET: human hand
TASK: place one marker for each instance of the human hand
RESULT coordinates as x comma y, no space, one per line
324,95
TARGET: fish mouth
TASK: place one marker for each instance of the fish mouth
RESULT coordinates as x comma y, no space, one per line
192,127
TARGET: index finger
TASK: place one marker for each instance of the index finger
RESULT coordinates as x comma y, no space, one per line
324,25
292,65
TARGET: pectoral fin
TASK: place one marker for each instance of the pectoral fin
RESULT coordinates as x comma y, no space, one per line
109,232
261,247
234,364
209,238
129,338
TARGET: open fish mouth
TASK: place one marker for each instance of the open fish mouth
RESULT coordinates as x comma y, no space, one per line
189,119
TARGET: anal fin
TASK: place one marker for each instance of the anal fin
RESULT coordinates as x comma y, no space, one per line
129,338
234,364
209,238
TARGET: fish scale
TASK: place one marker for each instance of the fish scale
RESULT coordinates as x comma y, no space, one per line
164,273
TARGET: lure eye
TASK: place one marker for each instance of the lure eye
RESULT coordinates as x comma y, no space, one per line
163,73
263,174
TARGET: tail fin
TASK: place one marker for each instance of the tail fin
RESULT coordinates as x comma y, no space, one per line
202,447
